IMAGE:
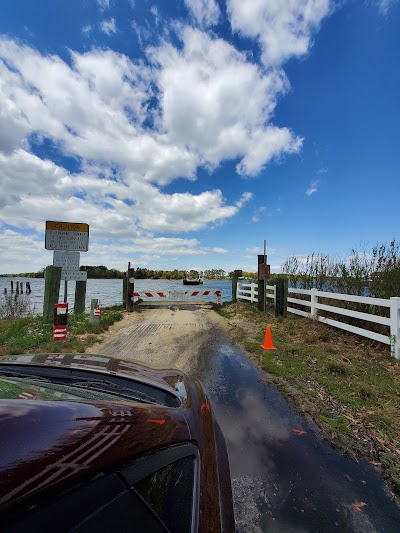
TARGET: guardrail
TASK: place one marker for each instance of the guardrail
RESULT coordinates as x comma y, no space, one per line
248,291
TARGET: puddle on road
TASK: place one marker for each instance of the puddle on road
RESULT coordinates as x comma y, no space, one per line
285,480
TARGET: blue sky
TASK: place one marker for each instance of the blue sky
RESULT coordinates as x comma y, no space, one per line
185,133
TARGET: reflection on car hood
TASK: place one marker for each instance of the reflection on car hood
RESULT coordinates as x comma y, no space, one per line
46,443
170,380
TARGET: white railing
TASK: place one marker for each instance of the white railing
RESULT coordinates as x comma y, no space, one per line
249,292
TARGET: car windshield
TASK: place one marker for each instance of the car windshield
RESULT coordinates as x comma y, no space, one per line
25,388
40,381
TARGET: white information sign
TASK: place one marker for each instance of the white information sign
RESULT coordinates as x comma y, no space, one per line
67,260
76,275
67,236
69,263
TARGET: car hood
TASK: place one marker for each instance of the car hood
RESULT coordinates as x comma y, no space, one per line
53,443
171,380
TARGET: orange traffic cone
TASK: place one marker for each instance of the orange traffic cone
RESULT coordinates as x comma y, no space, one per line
268,340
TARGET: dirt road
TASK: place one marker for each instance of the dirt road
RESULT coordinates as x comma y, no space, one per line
172,336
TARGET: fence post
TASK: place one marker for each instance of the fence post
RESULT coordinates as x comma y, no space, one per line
314,300
261,285
130,287
395,326
235,284
235,292
124,288
281,296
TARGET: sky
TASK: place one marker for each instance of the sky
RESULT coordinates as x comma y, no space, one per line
187,133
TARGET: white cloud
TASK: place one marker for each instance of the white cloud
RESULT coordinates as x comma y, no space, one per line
385,5
283,29
213,105
103,4
259,250
322,170
312,188
86,29
244,199
257,214
181,212
218,104
219,250
132,128
108,26
205,12
113,208
22,173
265,144
15,248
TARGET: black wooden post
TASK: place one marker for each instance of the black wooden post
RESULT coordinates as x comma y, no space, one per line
130,287
281,297
261,284
124,288
235,277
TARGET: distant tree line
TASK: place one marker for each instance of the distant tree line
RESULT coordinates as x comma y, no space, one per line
102,272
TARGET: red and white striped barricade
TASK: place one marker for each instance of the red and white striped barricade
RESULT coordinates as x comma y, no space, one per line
176,294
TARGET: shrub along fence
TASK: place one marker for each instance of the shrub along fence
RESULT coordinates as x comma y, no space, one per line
342,311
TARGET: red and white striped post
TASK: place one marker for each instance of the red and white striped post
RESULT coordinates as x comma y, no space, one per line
60,321
95,312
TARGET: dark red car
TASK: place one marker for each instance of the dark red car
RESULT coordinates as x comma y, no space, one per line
92,443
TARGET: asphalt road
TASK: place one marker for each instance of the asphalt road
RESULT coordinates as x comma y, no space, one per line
284,478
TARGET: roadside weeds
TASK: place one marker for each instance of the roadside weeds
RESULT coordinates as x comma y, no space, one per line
31,335
347,385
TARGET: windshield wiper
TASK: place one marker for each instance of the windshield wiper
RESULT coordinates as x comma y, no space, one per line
113,388
84,383
24,377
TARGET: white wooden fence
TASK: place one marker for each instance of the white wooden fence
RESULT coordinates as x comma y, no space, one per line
248,291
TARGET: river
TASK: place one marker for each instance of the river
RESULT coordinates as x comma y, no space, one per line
109,291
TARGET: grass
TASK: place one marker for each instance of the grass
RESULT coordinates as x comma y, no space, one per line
348,385
30,335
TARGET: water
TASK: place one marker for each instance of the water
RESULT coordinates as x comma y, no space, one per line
109,291
284,481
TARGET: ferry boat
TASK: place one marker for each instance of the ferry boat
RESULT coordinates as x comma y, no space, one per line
193,281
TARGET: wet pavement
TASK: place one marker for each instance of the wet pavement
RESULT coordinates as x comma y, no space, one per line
284,478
